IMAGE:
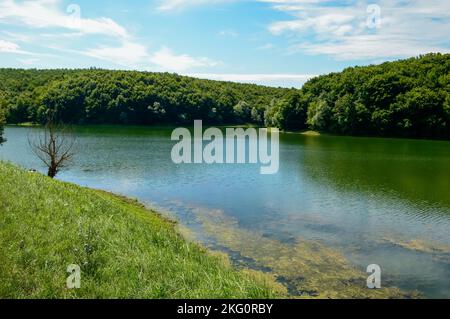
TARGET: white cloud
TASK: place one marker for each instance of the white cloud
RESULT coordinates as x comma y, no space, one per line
407,28
168,60
340,29
65,25
11,47
369,47
47,14
18,37
30,61
6,46
296,80
176,5
332,23
128,54
136,56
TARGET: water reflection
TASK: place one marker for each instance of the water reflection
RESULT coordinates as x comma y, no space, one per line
368,200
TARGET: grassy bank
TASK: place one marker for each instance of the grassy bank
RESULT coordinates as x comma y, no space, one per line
124,250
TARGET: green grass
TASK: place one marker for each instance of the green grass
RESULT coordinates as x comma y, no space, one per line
124,249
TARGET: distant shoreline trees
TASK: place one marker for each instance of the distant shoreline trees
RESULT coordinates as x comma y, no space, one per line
2,122
406,98
127,97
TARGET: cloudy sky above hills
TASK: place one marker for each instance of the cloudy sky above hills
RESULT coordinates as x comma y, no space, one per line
273,42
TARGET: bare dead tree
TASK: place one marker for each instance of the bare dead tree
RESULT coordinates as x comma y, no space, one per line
55,147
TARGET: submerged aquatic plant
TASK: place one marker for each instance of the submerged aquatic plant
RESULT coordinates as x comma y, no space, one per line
308,269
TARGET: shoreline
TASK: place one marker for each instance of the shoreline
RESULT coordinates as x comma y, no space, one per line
124,249
306,132
269,263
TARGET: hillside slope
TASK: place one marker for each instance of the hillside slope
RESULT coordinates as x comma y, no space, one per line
95,96
123,249
406,98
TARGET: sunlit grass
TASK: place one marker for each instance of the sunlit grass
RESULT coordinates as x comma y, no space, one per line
124,250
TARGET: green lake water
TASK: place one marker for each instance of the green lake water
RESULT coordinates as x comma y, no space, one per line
371,200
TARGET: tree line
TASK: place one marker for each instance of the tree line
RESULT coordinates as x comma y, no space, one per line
97,96
406,98
2,122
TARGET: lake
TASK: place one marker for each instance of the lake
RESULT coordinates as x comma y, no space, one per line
336,202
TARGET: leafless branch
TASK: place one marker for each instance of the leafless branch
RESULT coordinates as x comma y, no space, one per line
55,147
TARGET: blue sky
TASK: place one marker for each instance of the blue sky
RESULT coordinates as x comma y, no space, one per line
272,42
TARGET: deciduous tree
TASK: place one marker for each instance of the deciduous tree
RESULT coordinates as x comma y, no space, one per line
55,147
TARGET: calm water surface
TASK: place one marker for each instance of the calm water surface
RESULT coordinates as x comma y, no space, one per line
382,201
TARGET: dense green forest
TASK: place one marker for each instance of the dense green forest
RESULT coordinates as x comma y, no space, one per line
127,97
407,98
2,122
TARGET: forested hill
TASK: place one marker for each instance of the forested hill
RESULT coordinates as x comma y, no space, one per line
407,98
95,96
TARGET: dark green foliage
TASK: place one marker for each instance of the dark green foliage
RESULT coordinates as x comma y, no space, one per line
123,97
124,250
408,98
2,122
2,117
288,113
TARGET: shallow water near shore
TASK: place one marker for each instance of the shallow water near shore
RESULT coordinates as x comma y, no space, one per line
337,205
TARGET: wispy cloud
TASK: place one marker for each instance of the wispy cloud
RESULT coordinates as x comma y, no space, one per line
127,54
29,61
177,5
265,79
406,28
48,14
168,60
62,25
11,47
6,46
340,28
343,30
135,55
